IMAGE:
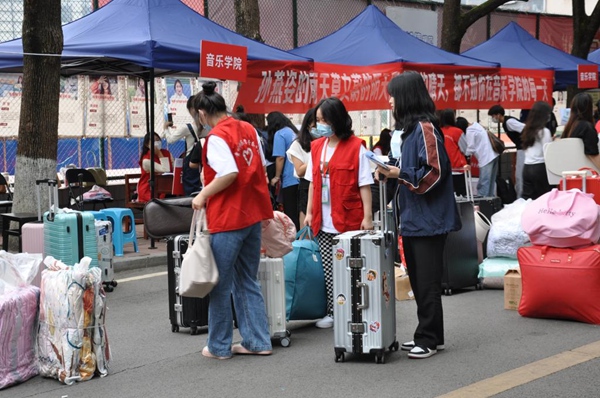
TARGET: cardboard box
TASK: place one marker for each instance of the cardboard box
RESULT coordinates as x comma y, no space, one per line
512,289
403,288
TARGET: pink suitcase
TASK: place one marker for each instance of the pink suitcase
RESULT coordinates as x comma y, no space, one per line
32,233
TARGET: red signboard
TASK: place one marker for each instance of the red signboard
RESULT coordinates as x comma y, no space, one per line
223,61
587,76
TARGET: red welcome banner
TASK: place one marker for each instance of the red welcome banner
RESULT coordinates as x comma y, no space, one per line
272,87
223,61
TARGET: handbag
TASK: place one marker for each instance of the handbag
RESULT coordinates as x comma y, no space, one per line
562,219
277,236
168,217
199,273
305,293
497,144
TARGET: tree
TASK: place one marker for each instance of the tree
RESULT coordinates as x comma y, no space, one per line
455,22
247,19
584,28
38,122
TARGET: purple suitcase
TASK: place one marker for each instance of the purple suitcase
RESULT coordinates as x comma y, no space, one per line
33,232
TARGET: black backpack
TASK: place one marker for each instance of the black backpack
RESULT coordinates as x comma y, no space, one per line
190,178
505,190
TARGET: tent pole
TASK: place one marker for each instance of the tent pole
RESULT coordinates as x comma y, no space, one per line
151,128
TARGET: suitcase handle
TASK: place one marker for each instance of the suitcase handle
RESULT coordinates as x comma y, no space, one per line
365,295
575,173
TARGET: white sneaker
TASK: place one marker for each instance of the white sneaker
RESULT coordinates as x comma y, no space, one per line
325,323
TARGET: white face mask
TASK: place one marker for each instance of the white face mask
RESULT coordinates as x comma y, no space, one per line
157,145
396,143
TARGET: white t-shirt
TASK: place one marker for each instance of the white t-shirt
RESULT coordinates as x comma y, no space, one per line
220,158
297,152
364,178
535,153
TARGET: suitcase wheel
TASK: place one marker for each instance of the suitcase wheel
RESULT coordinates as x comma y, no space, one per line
395,346
285,342
114,283
447,292
174,328
194,331
379,358
339,357
109,288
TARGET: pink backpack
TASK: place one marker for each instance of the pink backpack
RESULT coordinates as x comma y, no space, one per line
562,219
278,234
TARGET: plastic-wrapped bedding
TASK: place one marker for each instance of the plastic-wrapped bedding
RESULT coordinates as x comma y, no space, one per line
72,341
18,325
506,233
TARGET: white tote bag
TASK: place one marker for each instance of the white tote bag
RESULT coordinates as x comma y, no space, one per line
199,273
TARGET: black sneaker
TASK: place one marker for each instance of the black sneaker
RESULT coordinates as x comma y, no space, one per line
409,345
421,352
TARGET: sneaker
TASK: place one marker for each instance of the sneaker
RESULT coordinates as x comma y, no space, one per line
325,323
421,352
409,345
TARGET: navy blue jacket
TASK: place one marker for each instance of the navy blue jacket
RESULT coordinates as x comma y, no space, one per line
425,195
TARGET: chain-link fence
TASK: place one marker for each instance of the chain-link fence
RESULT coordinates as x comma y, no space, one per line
103,118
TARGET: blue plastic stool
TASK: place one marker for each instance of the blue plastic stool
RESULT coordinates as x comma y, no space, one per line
116,215
98,215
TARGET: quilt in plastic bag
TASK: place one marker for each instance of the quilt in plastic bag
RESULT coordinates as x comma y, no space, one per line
72,340
506,233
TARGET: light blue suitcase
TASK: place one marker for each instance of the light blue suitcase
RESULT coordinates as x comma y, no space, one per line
70,236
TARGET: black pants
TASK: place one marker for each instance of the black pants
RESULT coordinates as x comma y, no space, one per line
290,204
424,262
535,181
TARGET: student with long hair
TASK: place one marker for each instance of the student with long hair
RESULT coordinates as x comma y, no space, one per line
298,155
535,134
236,198
581,125
163,163
382,147
283,131
426,204
339,194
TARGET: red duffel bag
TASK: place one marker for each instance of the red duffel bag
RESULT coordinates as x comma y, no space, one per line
560,283
585,179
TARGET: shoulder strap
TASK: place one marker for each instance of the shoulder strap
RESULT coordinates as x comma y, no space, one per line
189,126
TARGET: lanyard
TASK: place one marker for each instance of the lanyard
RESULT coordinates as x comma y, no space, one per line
325,167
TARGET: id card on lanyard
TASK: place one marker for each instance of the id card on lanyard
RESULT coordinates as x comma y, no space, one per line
325,175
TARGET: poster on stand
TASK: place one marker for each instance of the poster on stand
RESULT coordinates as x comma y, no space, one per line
136,98
11,85
106,106
70,106
177,91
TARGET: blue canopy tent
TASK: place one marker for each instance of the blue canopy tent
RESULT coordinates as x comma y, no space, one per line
514,47
371,38
594,56
134,36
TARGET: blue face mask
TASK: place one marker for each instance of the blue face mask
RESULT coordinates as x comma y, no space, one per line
314,133
324,130
206,128
396,143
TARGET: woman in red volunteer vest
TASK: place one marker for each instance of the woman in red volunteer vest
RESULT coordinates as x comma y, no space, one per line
236,198
163,163
339,194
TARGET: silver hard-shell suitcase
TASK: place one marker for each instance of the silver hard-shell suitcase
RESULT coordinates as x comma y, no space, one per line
272,283
364,310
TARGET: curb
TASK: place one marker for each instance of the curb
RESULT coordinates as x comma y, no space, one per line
143,261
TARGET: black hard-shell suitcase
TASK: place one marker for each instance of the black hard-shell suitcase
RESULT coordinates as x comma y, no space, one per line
488,205
188,312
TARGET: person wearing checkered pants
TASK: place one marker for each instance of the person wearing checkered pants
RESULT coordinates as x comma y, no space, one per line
339,195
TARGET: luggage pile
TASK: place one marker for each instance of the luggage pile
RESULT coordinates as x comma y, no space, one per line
561,272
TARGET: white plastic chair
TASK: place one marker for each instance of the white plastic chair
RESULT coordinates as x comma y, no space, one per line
565,154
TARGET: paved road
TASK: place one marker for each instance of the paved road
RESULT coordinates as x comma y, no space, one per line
488,351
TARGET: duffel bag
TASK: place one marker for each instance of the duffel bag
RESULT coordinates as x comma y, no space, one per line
304,279
560,283
168,217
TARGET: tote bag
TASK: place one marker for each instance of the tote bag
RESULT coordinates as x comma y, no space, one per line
199,273
304,279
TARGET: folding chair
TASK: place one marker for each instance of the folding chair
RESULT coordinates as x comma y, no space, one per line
76,181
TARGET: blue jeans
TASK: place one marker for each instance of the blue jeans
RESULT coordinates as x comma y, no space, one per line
487,178
237,254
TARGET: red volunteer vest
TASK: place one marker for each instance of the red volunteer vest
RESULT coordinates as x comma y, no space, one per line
246,201
143,188
346,204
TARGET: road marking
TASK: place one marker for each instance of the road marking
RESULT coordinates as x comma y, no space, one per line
137,278
528,373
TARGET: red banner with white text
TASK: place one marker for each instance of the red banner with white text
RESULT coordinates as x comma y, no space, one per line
295,87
